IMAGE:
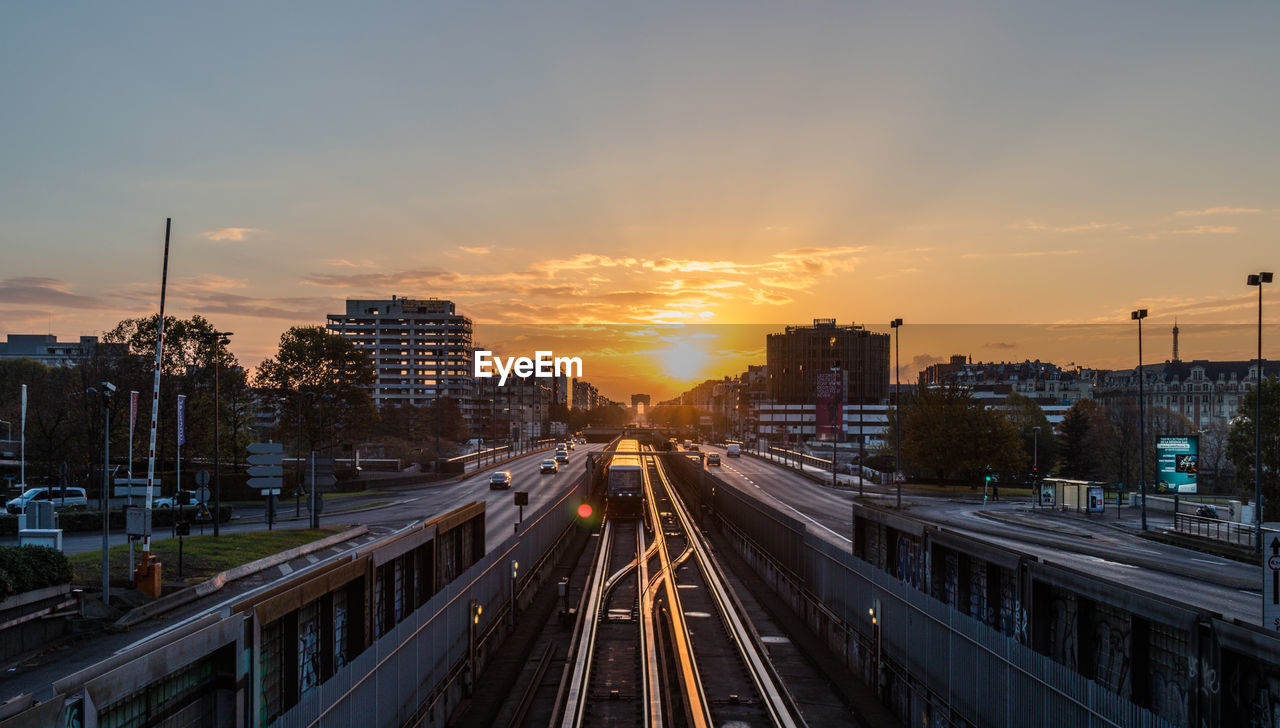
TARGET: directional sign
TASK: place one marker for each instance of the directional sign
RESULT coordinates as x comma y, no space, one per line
265,465
1271,576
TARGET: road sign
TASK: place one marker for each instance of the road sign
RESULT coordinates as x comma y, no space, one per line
202,495
271,491
1271,576
202,478
265,465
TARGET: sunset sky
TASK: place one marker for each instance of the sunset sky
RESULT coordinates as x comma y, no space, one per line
960,164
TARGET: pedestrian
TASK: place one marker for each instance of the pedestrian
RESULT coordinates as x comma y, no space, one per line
995,490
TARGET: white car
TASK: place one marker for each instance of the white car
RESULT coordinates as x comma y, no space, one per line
184,499
61,497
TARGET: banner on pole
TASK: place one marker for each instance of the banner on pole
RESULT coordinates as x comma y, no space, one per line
133,411
182,419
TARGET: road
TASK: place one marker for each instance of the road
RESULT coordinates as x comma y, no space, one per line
34,673
391,507
1055,539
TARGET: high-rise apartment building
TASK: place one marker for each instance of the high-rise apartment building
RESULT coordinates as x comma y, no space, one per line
421,349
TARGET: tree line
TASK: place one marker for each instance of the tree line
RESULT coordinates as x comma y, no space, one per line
948,435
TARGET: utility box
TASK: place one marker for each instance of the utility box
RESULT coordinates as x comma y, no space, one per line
137,521
51,537
38,515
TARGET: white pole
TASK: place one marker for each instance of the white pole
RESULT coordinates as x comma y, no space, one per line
155,388
23,428
133,416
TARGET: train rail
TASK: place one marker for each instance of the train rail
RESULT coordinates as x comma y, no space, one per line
662,641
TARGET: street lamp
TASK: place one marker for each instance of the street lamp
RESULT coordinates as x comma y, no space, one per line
108,389
897,407
1035,452
1258,280
217,338
1142,420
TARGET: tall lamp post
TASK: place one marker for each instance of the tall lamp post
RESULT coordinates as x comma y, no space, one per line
1035,453
897,408
217,338
1258,280
1142,420
108,389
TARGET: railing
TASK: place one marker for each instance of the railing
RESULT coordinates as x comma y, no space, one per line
1240,534
494,453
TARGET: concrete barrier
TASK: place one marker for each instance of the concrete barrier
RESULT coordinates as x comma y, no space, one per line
169,602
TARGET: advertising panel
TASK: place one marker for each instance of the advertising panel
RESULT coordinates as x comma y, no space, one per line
1048,495
1097,501
1178,463
830,402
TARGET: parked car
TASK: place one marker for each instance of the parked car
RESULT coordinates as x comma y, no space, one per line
713,459
548,466
500,479
61,497
184,499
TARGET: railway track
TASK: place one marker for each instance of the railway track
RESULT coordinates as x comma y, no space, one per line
662,641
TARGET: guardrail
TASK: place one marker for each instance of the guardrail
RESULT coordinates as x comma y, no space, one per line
494,453
1240,534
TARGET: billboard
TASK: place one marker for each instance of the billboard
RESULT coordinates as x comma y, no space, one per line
829,401
1178,462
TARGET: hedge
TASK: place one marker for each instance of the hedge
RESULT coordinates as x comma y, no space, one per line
24,568
79,521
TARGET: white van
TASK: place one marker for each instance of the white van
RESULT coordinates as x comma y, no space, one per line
61,497
734,450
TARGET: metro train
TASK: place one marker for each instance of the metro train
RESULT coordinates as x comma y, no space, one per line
624,494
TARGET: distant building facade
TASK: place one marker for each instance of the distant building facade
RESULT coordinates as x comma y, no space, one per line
46,349
1205,392
795,356
421,349
1053,388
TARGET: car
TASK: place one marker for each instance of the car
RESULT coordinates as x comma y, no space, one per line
713,459
693,447
734,450
183,499
548,466
500,479
688,444
573,445
61,497
562,457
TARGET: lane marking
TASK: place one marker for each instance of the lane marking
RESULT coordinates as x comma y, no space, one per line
1208,561
285,569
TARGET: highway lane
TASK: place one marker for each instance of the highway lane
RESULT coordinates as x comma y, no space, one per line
829,512
399,506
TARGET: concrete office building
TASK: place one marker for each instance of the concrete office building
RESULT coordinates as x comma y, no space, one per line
46,349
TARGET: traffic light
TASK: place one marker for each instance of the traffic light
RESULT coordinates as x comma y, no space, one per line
1035,472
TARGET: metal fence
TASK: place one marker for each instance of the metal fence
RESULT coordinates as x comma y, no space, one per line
416,671
1240,534
493,454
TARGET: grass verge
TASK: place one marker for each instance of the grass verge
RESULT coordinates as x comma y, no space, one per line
202,556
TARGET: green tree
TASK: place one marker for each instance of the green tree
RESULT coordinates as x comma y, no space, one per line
1026,415
322,383
947,434
1087,443
1241,445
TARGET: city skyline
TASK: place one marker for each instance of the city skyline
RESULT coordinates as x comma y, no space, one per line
726,165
